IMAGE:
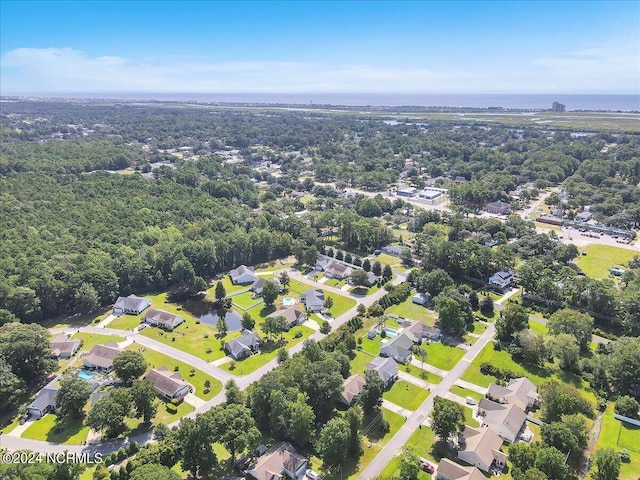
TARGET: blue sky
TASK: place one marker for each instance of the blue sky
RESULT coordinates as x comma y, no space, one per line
293,46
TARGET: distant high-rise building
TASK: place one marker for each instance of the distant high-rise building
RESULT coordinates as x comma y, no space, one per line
557,107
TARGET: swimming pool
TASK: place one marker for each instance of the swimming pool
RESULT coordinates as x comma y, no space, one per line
390,332
288,301
83,374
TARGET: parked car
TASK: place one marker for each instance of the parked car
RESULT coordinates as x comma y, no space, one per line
311,475
470,401
426,466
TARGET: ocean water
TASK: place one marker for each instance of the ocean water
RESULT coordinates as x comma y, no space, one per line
515,101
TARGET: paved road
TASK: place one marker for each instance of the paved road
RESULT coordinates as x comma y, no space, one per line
422,413
17,443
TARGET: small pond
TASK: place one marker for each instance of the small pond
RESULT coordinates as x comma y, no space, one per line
207,313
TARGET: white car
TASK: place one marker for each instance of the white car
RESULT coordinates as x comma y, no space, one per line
470,401
311,475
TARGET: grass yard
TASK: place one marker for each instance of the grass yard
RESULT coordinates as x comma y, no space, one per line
164,416
477,328
413,311
538,375
267,353
335,282
423,441
406,395
157,359
76,320
44,429
90,339
245,301
359,362
618,436
371,346
443,356
600,258
229,287
10,426
538,328
468,417
125,322
386,259
195,338
374,440
464,393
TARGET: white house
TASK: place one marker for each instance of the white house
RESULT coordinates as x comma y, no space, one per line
421,299
520,391
165,320
242,275
503,279
386,368
506,420
101,357
170,385
480,447
132,304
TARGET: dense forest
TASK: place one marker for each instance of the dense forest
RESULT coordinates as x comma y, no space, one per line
74,236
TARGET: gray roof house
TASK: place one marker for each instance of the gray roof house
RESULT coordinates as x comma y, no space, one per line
242,274
503,279
132,304
293,315
337,270
279,462
480,447
386,368
101,357
163,319
170,384
243,346
399,347
421,299
323,262
506,420
421,331
392,250
258,285
313,299
62,347
519,391
499,208
45,400
351,388
448,470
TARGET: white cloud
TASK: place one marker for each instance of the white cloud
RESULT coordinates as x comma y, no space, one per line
69,70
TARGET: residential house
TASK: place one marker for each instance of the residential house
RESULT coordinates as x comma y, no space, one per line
519,391
260,282
392,250
506,420
162,319
279,462
170,384
421,331
351,388
399,347
498,208
293,315
448,470
386,368
313,299
132,304
242,275
372,278
480,447
62,347
243,346
503,279
337,270
101,357
421,299
323,262
45,400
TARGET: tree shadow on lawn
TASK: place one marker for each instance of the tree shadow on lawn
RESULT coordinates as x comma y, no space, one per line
64,429
266,310
373,423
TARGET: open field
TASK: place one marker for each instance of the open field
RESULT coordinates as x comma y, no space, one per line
600,258
89,339
406,395
126,322
386,259
157,359
413,311
443,356
72,431
618,436
164,416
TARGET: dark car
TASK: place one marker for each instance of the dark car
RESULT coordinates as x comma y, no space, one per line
426,466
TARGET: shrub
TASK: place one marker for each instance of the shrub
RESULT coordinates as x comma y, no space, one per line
176,368
298,335
206,335
176,401
172,409
384,426
624,456
122,454
498,372
232,366
209,350
197,322
133,448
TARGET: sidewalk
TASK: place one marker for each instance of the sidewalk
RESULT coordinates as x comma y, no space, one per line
429,368
396,408
107,321
471,386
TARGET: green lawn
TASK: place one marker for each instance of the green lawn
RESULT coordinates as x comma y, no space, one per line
164,416
423,441
359,362
538,375
245,300
412,311
406,395
618,436
72,431
335,282
538,328
464,393
228,287
385,259
443,356
157,359
14,423
371,346
600,258
126,322
267,353
90,339
374,440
